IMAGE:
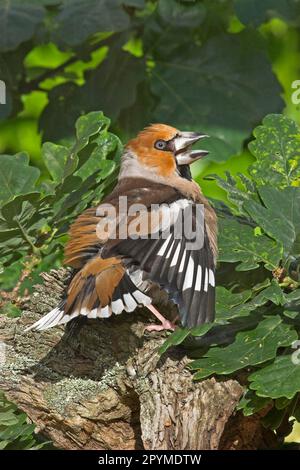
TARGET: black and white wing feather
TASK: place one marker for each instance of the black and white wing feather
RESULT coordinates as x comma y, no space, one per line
187,274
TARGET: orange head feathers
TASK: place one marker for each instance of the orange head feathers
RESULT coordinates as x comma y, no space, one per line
150,148
162,149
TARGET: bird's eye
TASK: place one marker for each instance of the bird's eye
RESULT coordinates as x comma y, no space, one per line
160,144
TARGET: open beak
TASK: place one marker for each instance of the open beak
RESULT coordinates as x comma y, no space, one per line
183,147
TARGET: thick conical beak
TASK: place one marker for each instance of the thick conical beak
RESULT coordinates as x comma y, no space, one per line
183,147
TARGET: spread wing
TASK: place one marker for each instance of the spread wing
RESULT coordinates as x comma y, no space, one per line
182,265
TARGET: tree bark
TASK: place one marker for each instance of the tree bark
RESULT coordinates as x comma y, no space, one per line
102,384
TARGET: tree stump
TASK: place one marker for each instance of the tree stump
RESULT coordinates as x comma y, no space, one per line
102,384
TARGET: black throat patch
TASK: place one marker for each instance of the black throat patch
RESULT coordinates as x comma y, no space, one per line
184,171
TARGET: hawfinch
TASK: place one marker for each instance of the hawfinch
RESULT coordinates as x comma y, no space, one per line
122,258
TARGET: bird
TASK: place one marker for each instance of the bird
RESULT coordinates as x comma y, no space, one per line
124,258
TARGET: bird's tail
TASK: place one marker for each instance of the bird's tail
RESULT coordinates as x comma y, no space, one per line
110,291
53,318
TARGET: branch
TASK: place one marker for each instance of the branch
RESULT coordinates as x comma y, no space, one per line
102,385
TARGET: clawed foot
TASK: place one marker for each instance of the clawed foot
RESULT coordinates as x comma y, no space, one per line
165,324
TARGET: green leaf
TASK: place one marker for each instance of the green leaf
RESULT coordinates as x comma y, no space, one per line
95,166
16,176
20,223
97,162
251,403
220,146
174,339
55,158
282,403
8,418
14,432
294,295
238,244
137,116
21,207
134,3
229,304
235,194
198,87
89,125
86,127
273,293
106,167
277,150
249,348
297,413
274,418
111,87
255,12
115,83
92,16
180,334
3,444
201,329
11,70
181,15
291,314
18,22
279,217
62,161
279,379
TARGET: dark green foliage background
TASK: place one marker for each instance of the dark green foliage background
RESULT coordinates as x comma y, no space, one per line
224,67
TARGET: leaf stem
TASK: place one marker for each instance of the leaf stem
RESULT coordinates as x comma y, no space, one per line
26,237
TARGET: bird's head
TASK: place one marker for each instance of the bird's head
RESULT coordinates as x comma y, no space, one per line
165,150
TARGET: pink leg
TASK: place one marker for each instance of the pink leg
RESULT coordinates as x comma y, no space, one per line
165,324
